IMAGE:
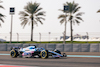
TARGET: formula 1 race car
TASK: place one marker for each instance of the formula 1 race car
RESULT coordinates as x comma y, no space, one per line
32,51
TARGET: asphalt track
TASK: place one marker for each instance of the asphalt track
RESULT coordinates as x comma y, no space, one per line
52,62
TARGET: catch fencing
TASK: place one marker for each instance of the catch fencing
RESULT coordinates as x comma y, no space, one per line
62,47
46,36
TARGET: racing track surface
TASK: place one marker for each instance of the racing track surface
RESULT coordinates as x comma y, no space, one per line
51,62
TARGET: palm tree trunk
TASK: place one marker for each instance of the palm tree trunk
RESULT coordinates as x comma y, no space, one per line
32,29
71,30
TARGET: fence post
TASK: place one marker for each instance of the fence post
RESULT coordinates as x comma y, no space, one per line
99,47
22,45
55,46
46,46
6,47
72,47
89,47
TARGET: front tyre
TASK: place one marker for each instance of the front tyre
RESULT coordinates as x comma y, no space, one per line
13,53
44,54
64,55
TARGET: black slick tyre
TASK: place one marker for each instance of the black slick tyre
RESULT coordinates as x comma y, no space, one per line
64,55
13,53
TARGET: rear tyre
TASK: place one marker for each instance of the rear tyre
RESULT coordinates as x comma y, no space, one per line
44,54
13,53
47,54
20,54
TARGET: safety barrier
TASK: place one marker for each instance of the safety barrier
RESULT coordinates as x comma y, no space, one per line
62,47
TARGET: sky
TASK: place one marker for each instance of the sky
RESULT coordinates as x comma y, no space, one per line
52,23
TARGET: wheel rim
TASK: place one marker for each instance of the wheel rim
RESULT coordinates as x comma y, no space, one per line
12,53
43,54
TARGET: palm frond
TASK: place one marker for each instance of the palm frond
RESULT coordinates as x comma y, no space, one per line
22,13
1,15
24,23
79,18
79,14
62,16
77,9
40,14
23,18
62,21
75,5
38,10
1,19
98,11
0,1
1,7
39,20
77,21
36,6
31,8
0,24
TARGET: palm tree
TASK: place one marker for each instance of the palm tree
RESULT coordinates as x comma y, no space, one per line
31,15
74,16
98,11
1,15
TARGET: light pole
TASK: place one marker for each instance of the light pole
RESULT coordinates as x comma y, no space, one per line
12,11
63,37
40,37
17,37
66,8
11,29
49,36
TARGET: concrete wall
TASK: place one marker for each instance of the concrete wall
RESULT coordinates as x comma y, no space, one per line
76,47
61,47
85,47
50,46
94,48
42,45
99,47
3,47
68,48
9,46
